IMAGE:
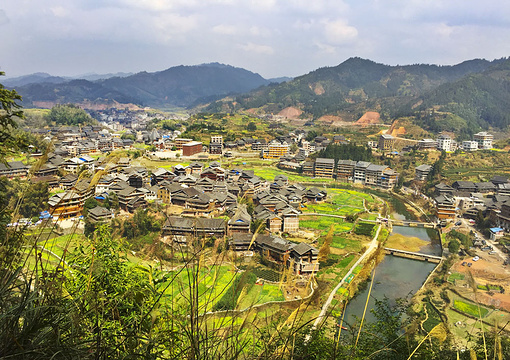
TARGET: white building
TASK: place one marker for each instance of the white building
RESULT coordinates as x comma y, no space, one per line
484,140
444,143
470,145
217,139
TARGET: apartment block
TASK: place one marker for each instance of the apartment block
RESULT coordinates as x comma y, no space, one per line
324,168
484,140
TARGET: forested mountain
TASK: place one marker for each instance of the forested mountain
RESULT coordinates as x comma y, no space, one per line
478,101
176,86
74,91
358,85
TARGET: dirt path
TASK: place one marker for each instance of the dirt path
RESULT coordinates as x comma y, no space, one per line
371,248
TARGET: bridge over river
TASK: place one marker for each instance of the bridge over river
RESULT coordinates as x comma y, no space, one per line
413,255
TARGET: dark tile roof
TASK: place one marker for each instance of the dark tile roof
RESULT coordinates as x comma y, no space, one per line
303,248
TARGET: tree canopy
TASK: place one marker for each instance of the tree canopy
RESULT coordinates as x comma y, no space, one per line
69,114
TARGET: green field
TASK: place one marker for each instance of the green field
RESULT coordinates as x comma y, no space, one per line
268,173
341,202
260,294
470,308
323,223
455,276
212,283
336,267
433,318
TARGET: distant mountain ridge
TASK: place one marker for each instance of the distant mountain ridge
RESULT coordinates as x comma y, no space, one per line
466,97
177,86
358,85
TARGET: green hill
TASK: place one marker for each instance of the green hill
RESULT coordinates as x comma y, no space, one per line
180,86
355,86
477,100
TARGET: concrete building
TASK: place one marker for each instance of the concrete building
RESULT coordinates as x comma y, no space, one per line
484,140
470,145
216,145
191,148
276,150
444,143
386,142
360,171
179,142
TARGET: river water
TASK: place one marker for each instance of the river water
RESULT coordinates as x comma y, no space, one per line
396,277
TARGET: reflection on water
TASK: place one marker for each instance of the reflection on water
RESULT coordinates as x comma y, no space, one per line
430,235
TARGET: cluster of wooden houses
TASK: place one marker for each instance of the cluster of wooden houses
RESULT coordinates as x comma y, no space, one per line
466,198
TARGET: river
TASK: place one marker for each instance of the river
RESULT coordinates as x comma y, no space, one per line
396,277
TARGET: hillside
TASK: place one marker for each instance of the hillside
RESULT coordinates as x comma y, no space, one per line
74,91
475,101
177,86
354,87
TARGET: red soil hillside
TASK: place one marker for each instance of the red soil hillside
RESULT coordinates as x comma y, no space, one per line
290,113
369,118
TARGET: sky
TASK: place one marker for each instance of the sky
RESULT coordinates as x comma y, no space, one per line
271,37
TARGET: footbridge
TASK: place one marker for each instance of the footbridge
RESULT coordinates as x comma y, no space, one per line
413,255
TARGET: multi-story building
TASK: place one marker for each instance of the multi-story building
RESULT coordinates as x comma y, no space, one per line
388,179
444,143
503,218
421,172
360,171
275,150
13,169
100,214
305,259
324,168
386,142
345,170
470,145
308,168
427,144
179,142
290,217
191,148
445,207
216,144
484,140
240,222
70,203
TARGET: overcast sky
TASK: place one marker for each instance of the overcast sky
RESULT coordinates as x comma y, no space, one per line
271,37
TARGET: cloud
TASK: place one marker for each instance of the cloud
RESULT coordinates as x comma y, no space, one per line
259,31
325,48
3,18
257,48
168,25
59,11
158,5
224,29
263,5
338,32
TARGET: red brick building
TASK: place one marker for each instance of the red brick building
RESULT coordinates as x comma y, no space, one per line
191,148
